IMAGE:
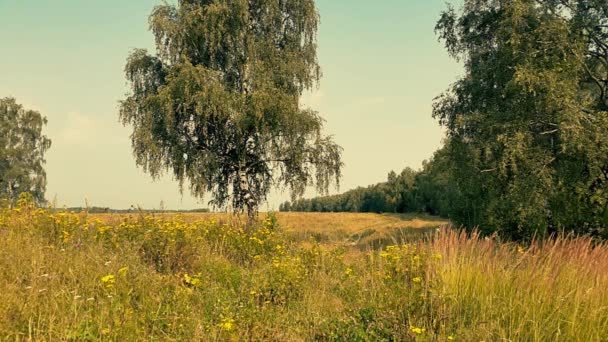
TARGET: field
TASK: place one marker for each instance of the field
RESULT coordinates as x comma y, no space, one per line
343,277
363,230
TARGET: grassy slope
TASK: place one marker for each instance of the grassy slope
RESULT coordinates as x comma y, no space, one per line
77,277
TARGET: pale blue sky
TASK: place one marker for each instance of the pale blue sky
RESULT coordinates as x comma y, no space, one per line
381,62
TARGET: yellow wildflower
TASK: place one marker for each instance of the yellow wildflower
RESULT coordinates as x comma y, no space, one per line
65,236
227,324
416,330
108,281
417,280
256,240
276,262
192,281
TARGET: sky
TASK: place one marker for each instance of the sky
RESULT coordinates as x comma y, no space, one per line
382,67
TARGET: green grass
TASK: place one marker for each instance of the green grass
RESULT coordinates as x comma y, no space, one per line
78,277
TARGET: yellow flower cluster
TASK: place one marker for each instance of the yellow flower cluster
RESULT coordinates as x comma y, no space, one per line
108,281
194,281
227,324
406,262
417,331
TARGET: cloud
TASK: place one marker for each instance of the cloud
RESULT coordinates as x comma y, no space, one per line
80,129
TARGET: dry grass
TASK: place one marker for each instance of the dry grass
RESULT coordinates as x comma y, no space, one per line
548,291
359,229
78,277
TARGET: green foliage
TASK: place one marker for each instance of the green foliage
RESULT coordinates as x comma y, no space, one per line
22,149
398,195
527,149
364,325
219,104
431,190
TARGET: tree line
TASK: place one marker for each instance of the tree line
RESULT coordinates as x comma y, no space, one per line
397,194
421,191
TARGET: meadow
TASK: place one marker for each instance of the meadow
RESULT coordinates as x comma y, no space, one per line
291,277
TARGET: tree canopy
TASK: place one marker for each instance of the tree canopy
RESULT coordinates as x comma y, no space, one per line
527,124
218,105
22,149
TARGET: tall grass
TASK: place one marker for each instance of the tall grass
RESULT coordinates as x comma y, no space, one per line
75,277
550,290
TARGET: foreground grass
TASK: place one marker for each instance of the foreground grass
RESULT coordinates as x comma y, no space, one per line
72,276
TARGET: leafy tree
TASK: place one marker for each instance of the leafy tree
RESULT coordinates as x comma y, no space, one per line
406,192
375,200
438,190
527,122
22,149
392,191
219,103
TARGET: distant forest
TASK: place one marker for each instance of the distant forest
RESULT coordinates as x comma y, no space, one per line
424,191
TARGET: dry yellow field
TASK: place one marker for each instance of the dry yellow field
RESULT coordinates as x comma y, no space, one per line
354,229
79,276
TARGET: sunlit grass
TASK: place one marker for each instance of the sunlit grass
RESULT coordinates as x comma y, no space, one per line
360,229
82,277
552,290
